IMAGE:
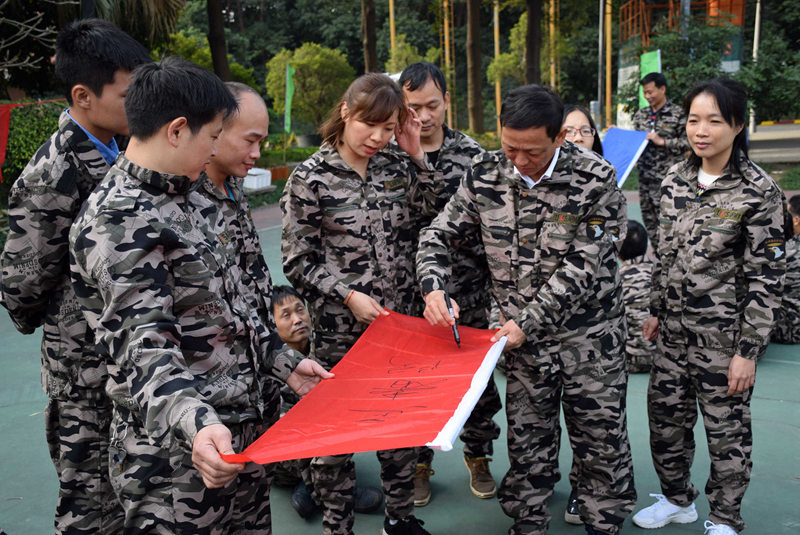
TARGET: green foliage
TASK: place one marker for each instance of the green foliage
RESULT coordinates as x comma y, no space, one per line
684,62
487,140
29,127
322,75
773,80
789,179
195,48
272,158
403,55
511,64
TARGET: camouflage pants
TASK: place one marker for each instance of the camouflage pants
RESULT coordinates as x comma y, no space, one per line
591,386
480,430
77,436
162,492
682,377
334,477
650,203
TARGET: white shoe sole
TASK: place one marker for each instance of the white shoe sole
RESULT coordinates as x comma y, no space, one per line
683,517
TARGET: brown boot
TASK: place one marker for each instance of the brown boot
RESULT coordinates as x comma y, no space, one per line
422,485
481,482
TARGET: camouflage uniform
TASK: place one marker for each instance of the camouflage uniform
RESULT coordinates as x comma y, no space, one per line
468,283
36,290
342,232
163,287
787,326
669,123
554,272
716,291
636,275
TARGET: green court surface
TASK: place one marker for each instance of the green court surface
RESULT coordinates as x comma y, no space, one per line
28,483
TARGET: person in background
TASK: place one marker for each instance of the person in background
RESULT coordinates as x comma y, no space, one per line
451,153
348,248
787,327
716,291
665,123
94,60
581,129
294,327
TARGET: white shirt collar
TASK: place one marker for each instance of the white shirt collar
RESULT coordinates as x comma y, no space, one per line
547,174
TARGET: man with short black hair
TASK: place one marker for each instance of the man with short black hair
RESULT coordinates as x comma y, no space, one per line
665,123
164,288
546,212
94,60
451,152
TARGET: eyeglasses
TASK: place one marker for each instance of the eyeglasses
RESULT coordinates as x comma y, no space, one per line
584,132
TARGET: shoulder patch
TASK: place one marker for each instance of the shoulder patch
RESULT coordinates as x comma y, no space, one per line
595,227
774,248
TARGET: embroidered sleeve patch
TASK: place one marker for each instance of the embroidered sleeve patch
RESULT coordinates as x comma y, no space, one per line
595,227
774,248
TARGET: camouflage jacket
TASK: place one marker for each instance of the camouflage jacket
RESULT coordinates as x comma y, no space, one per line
238,241
636,275
180,337
468,273
670,123
722,259
342,233
787,328
36,288
550,249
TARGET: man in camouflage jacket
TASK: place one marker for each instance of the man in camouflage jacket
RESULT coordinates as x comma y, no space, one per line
36,288
451,153
666,123
716,293
546,211
164,289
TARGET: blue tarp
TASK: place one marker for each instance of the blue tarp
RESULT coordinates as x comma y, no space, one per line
622,148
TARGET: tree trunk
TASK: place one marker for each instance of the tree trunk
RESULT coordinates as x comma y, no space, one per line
240,15
533,42
216,40
474,85
368,36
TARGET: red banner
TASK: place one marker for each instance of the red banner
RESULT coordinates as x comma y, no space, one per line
403,384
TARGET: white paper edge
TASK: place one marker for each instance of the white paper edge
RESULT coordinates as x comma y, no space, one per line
621,180
447,436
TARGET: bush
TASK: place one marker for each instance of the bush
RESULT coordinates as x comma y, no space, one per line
273,158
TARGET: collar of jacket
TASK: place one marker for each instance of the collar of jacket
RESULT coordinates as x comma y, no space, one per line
687,173
331,158
171,184
562,172
81,145
235,184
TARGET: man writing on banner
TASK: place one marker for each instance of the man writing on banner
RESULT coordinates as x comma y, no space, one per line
546,212
665,123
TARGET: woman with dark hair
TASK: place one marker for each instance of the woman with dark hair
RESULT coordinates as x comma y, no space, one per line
581,129
348,248
715,295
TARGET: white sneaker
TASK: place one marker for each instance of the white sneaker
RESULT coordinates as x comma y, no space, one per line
718,529
663,512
